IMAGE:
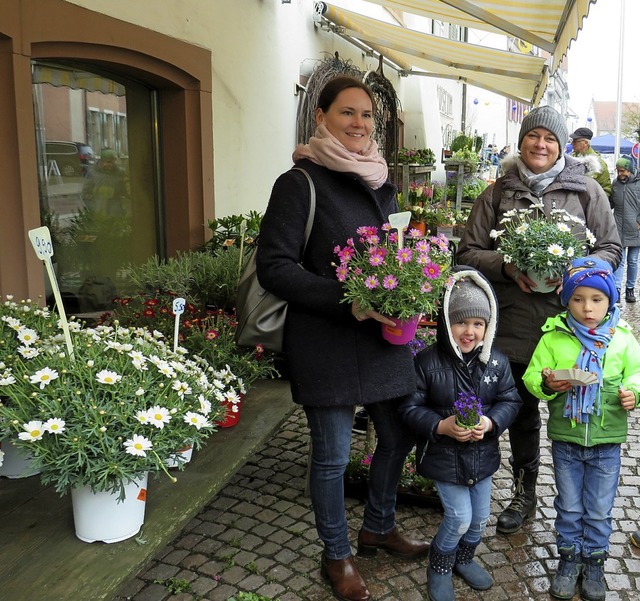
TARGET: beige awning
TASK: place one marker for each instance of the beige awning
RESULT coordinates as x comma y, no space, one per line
550,26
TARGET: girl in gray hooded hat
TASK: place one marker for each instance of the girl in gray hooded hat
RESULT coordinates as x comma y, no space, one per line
460,370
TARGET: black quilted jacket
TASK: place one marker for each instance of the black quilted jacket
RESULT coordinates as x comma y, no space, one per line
442,372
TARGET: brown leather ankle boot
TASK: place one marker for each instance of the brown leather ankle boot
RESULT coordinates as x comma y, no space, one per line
393,543
346,582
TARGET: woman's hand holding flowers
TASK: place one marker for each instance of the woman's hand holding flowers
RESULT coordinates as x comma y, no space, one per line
361,314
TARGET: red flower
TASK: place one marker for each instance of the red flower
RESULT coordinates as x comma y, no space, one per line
152,302
211,334
149,313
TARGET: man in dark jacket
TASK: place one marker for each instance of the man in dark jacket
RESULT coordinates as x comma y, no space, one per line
581,141
625,202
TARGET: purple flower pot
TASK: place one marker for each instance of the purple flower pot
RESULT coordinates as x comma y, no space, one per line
403,332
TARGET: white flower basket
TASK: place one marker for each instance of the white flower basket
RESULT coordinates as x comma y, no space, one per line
17,463
101,517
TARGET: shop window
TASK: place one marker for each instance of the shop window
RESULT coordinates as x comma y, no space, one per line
97,172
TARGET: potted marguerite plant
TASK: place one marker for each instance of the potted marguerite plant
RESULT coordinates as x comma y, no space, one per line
399,282
542,246
102,416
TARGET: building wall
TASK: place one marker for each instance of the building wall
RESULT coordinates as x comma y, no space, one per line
258,49
235,146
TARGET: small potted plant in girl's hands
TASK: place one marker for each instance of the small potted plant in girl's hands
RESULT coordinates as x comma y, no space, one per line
541,246
468,410
401,283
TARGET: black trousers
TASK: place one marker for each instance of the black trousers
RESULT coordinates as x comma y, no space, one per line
524,433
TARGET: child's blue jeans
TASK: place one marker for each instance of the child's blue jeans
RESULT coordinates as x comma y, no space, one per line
587,481
466,511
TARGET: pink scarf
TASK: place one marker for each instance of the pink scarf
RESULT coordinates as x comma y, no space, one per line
324,149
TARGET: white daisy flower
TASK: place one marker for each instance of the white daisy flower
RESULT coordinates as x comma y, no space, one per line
142,417
197,420
28,352
7,379
556,250
108,377
181,388
205,405
43,377
138,445
32,431
27,336
55,425
159,416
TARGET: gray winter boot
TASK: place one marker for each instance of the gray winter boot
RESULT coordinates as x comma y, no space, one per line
630,296
439,577
594,587
523,503
470,570
563,585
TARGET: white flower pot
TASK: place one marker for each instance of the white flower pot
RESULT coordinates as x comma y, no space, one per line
101,517
17,462
181,456
540,280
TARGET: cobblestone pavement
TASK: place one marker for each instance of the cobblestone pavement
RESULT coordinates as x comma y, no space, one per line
257,535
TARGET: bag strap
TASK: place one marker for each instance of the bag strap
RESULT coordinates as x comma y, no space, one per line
312,207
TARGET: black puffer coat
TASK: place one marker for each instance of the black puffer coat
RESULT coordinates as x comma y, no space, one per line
443,372
625,202
333,359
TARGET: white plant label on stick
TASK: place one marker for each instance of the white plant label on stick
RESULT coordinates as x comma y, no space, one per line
178,310
41,240
399,221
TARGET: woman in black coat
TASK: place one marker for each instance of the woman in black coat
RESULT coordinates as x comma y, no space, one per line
337,358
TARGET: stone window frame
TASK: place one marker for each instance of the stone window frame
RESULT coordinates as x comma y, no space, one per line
179,71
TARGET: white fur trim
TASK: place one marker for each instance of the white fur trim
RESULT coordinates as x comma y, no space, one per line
490,332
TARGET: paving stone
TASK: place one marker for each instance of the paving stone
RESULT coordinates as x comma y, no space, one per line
258,535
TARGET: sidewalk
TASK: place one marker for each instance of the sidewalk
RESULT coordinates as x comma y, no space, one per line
257,535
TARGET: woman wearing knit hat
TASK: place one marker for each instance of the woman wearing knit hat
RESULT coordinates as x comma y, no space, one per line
625,202
463,361
587,418
539,174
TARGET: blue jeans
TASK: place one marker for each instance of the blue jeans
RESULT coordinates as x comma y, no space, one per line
466,511
630,256
330,429
586,480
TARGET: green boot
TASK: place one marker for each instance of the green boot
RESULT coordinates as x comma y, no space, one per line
594,587
563,585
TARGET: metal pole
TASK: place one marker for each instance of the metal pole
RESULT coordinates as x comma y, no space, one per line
616,149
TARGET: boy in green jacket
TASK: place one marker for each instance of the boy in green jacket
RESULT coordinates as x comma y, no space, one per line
587,421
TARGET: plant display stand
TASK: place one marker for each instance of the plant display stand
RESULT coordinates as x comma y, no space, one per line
413,173
460,168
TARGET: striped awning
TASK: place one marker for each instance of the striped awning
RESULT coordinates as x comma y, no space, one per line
523,76
75,79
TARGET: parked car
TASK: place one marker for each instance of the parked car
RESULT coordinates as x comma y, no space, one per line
74,159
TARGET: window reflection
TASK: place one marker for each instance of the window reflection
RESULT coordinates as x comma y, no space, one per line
96,197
